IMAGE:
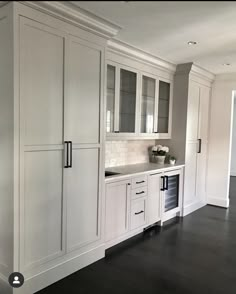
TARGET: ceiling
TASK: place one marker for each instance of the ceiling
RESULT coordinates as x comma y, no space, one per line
163,28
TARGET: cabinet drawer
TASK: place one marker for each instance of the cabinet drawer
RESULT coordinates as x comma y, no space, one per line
138,213
139,192
139,182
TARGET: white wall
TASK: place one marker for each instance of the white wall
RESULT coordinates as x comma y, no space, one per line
233,149
221,122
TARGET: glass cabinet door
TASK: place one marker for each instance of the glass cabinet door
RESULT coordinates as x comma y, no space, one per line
127,102
163,107
172,192
148,105
110,115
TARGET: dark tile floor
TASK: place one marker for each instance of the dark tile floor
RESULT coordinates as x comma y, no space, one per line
193,256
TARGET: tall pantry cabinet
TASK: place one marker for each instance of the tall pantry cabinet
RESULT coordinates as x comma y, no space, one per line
51,105
192,91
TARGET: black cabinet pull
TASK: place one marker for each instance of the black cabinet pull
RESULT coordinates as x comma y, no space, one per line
139,212
66,154
200,145
163,183
116,132
140,182
70,142
167,183
138,193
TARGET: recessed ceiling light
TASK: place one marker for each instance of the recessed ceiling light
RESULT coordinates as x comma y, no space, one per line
226,64
190,43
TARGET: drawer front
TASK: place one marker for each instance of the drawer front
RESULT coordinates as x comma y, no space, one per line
139,192
139,182
138,213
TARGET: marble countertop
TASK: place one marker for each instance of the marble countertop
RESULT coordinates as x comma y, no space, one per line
137,169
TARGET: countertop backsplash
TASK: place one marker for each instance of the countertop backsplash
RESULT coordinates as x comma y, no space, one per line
127,152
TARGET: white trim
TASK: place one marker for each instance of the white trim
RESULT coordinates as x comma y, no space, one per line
119,47
187,68
218,201
61,271
192,207
71,13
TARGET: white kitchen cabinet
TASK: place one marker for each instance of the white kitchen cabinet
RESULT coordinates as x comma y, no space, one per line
139,105
138,213
41,121
52,81
117,209
154,198
190,130
121,112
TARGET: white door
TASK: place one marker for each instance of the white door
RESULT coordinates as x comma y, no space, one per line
83,82
154,198
203,142
117,209
41,127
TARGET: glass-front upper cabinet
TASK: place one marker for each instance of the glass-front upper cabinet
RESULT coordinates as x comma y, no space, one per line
163,107
148,121
121,100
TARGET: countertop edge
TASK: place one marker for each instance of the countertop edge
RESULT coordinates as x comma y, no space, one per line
121,177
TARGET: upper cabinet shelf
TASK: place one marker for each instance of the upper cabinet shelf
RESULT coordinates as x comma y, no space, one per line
139,105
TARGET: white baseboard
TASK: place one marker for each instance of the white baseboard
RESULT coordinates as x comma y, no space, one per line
60,271
192,207
218,201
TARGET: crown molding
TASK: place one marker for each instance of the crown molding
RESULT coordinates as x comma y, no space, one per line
124,49
71,13
191,68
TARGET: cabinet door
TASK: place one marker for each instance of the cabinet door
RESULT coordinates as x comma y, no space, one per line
154,198
190,182
127,101
83,91
117,209
110,103
148,121
203,148
82,194
193,111
41,133
164,107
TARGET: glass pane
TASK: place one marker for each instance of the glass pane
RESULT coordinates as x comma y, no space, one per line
163,108
127,101
172,194
148,105
110,98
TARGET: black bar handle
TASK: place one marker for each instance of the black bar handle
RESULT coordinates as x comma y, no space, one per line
167,183
116,132
138,193
140,182
139,212
200,146
163,183
70,142
66,154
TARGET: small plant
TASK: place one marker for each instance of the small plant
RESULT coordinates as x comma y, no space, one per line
160,150
172,158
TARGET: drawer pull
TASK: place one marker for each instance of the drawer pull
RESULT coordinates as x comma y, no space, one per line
139,212
140,182
138,193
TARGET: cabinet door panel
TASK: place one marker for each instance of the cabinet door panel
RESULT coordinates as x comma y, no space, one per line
164,107
81,188
193,112
204,114
154,198
41,83
117,202
190,173
42,206
82,104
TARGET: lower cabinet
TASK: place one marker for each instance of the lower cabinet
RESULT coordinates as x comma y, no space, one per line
117,209
139,202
